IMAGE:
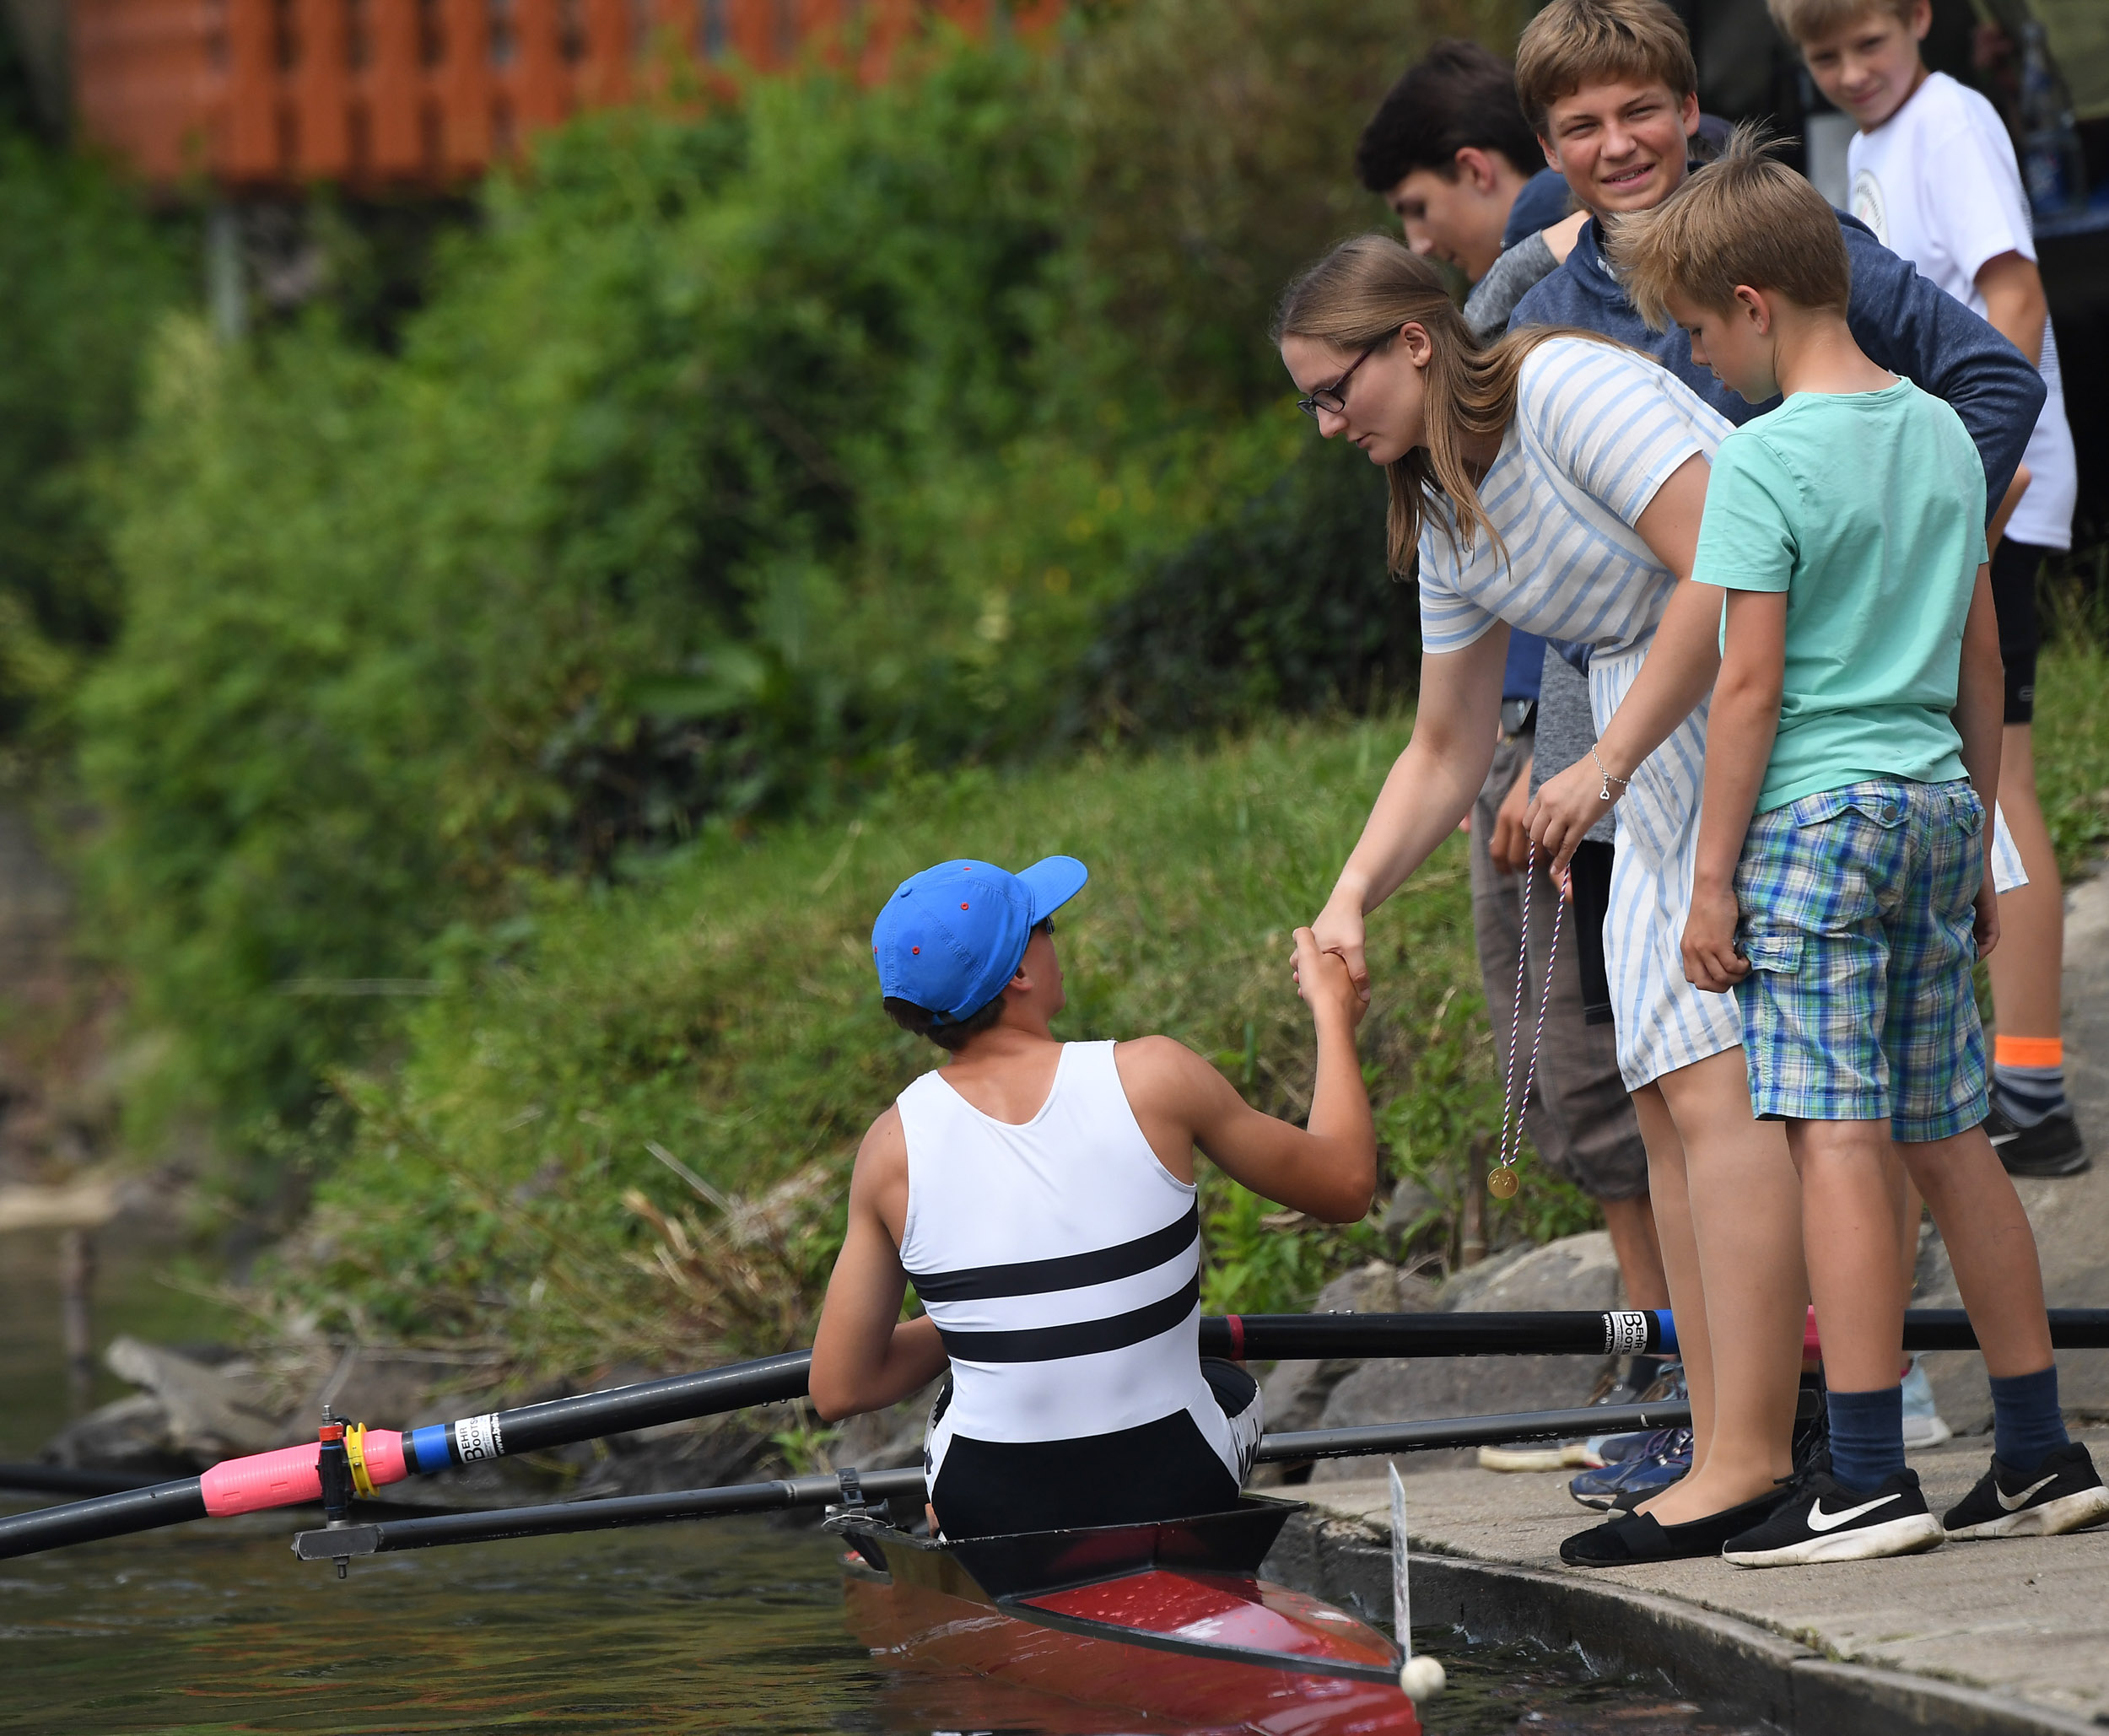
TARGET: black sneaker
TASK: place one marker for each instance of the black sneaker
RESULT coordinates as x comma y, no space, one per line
2052,1147
1823,1520
2063,1493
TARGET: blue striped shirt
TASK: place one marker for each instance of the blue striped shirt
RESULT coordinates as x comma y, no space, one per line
1598,430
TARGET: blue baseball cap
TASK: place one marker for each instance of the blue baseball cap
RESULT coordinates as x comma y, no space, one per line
951,937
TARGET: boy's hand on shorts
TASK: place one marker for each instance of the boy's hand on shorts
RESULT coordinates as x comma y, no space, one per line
1710,960
1566,805
1985,928
1322,979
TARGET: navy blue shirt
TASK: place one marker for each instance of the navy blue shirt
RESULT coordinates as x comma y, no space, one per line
1544,200
1899,320
1525,668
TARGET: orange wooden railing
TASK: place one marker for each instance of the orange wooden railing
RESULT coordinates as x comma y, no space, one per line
264,93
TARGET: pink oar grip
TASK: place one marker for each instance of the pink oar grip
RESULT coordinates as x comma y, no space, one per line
289,1475
262,1480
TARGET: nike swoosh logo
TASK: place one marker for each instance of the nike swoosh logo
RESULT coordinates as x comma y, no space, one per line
1819,1520
2004,1138
2011,1503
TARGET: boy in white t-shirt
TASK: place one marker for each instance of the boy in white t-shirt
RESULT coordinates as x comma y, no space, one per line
1935,176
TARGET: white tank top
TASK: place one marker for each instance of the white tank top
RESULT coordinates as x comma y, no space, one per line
1061,1262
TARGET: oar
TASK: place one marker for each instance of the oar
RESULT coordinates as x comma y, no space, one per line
65,1479
291,1477
554,1519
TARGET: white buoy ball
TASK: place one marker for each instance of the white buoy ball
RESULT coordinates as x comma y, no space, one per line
1421,1677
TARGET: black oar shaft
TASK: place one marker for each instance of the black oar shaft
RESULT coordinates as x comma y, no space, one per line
105,1515
1470,1432
1251,1337
547,1520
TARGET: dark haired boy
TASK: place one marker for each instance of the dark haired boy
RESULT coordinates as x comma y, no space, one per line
1843,886
1451,153
1040,1195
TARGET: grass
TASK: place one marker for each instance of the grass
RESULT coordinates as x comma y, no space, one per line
2072,736
503,1186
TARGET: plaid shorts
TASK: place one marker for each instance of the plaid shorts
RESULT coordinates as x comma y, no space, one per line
1857,908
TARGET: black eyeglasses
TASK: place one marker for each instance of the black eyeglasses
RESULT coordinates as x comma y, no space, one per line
1333,399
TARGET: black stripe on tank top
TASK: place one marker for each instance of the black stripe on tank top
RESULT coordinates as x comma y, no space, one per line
1068,1271
1086,1338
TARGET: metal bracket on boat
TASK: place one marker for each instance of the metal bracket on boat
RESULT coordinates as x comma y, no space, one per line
333,1464
852,1510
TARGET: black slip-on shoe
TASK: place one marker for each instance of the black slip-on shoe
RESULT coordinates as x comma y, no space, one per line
1823,1520
1641,1537
2052,1147
2063,1493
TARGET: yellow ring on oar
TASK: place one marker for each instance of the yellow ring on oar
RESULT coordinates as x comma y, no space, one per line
355,1451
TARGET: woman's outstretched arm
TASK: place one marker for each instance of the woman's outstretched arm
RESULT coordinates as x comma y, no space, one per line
1431,787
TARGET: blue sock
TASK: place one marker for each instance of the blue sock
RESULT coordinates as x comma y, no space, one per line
2025,1424
1867,1437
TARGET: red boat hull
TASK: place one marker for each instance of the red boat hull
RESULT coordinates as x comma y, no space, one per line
930,1616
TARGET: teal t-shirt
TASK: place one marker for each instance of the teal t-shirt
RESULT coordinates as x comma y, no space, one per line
1867,508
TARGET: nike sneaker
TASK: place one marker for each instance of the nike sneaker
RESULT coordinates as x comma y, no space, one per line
1823,1520
2063,1493
2052,1147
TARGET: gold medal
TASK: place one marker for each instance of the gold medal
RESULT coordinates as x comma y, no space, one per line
1502,1183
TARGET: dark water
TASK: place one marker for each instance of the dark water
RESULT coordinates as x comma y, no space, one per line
735,1626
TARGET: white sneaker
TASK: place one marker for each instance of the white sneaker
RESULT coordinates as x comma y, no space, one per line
1922,1427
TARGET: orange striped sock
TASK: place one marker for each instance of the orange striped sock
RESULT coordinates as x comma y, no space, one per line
2028,1077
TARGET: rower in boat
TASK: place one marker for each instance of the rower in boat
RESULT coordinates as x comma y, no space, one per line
1040,1195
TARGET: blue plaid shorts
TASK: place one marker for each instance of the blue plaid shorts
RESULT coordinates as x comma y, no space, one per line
1856,906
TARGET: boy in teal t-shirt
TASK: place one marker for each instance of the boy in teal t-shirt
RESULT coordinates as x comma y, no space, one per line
1842,885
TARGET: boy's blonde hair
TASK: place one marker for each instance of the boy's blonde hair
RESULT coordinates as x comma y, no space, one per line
1744,218
1574,43
1803,20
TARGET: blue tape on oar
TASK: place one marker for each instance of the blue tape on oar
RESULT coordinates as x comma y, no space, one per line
1666,1332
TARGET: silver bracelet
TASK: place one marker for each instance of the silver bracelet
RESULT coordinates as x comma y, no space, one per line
1605,794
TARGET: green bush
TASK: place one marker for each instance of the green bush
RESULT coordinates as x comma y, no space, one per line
88,275
734,468
726,1013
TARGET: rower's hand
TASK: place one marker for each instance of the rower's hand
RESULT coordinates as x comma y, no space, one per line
1711,960
1340,930
1567,803
1324,982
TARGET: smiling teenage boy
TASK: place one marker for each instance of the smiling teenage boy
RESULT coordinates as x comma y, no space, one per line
1040,1195
1842,885
1935,176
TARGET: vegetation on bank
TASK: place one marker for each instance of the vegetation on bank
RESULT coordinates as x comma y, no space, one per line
515,1178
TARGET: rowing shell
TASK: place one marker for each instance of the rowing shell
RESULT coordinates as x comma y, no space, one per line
1171,1620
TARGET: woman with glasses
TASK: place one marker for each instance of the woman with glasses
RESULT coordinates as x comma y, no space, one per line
1553,481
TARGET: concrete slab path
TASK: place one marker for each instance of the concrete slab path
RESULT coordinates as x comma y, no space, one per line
2026,1619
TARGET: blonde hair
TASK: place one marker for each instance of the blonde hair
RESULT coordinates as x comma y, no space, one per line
1357,297
1744,218
1801,20
1574,43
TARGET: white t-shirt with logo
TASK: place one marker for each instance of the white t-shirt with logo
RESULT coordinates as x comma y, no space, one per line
1939,184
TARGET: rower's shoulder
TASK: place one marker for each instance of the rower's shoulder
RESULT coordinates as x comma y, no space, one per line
1161,1069
882,1155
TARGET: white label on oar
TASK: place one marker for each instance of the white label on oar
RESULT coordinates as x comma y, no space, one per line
478,1438
1401,1600
1625,1334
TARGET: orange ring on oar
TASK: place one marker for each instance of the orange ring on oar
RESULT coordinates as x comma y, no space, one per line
355,1451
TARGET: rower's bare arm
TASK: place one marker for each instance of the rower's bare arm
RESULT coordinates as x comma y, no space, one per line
1679,669
1431,787
1330,1169
865,1357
